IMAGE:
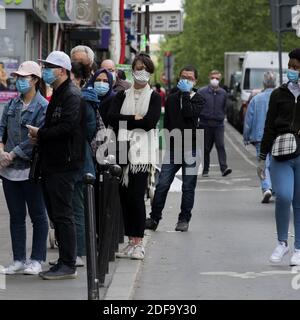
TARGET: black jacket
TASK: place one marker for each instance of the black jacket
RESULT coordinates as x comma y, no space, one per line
147,123
62,138
182,112
283,117
104,108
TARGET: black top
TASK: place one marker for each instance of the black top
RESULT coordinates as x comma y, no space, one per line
182,112
147,123
283,117
62,138
104,108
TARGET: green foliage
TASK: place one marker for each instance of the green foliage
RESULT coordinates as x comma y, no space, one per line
212,27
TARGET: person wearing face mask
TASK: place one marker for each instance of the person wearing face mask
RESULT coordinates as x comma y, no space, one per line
254,126
61,143
118,83
15,155
281,139
102,82
212,120
182,112
139,108
90,103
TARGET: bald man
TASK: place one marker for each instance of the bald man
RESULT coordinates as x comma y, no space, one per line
118,84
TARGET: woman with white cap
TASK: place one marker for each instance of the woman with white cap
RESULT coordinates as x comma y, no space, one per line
15,155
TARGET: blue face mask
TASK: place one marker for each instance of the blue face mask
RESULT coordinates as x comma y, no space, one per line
293,76
23,85
101,88
49,76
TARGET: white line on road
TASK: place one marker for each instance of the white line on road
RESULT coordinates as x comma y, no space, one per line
247,275
239,151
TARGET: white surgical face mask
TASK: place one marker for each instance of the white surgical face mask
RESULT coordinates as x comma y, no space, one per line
141,76
214,82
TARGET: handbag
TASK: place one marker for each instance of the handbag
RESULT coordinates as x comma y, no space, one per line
35,165
286,146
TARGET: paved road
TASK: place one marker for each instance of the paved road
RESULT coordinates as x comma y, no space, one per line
225,253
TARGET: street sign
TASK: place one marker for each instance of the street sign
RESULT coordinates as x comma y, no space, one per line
296,19
162,22
284,15
166,22
144,2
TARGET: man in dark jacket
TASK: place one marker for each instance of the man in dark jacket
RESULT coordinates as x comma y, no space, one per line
181,119
212,120
61,143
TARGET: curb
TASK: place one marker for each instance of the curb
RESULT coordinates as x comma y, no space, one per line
125,275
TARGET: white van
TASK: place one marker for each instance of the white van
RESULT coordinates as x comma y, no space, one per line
255,65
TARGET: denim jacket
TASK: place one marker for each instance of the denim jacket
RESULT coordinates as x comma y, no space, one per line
13,125
256,116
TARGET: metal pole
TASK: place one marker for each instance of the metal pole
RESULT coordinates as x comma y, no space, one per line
279,41
169,72
147,27
139,28
91,242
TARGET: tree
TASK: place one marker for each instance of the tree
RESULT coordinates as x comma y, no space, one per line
212,27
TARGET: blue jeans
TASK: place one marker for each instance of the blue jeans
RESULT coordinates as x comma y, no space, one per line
266,184
286,184
189,182
18,194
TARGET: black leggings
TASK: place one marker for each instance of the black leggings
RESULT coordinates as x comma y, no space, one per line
133,204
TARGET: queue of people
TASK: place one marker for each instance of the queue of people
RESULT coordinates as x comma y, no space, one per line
61,131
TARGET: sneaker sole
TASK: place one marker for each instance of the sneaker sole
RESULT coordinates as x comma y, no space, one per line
278,261
28,273
66,277
137,258
123,257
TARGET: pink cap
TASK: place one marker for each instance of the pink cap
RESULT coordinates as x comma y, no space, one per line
28,68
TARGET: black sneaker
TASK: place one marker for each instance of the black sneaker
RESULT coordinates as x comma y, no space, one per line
182,226
226,172
59,272
205,174
151,224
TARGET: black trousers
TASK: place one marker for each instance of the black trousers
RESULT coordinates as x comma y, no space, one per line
58,192
133,204
214,135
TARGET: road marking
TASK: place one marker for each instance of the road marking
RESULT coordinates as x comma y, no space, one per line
246,275
224,190
238,150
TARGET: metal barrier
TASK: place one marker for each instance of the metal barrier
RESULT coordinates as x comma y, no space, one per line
91,241
109,211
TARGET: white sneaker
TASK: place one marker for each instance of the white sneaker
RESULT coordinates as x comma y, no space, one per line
279,252
295,260
15,267
267,195
126,251
33,267
79,262
138,252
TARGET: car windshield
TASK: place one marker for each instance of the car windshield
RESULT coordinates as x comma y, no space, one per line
254,78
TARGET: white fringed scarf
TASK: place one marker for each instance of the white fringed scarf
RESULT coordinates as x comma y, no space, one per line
143,145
